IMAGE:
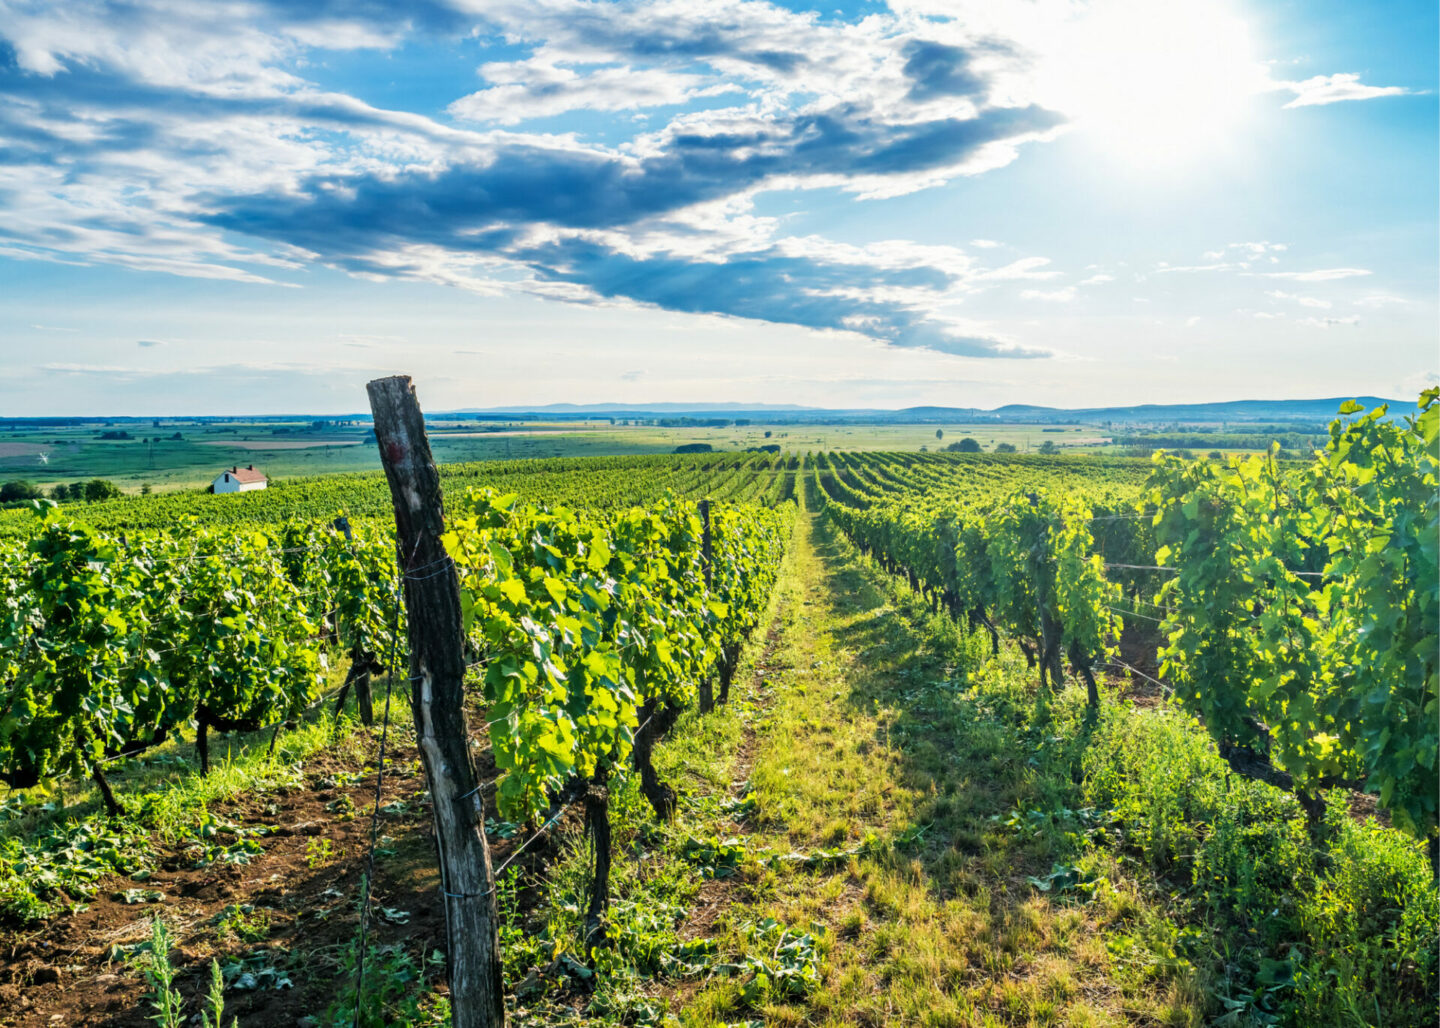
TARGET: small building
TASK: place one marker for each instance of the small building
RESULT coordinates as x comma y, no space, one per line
240,480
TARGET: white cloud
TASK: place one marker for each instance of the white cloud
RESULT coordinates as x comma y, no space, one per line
1328,322
1303,301
1024,268
1164,268
1329,89
1230,257
535,89
1381,300
1417,383
984,244
1062,295
1319,275
1095,280
1258,249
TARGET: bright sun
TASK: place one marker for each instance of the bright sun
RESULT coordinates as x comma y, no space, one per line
1155,82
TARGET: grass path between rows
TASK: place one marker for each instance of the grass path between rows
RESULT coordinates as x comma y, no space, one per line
870,743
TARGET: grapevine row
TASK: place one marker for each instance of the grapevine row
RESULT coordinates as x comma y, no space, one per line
1296,607
111,643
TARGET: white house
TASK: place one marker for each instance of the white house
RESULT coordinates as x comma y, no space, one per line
240,480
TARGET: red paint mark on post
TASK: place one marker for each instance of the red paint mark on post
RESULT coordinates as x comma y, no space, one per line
394,451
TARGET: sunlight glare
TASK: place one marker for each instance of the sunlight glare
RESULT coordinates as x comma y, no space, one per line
1155,82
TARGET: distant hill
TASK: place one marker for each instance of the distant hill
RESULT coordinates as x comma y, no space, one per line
652,408
1237,411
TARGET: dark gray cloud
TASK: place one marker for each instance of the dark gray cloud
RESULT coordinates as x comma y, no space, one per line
136,114
936,69
525,184
355,221
767,286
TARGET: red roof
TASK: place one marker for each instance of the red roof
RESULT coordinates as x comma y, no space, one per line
244,475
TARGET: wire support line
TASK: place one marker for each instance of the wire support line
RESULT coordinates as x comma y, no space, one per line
1174,570
1132,613
375,811
142,754
1169,689
513,856
433,569
132,556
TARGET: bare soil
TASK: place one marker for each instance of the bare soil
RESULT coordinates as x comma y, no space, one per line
71,971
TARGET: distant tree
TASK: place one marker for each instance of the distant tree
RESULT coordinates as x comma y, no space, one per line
145,489
100,489
966,445
1048,447
694,448
924,448
1216,455
1004,447
177,435
19,489
767,433
939,433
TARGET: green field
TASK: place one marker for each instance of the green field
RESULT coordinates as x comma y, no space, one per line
301,448
297,448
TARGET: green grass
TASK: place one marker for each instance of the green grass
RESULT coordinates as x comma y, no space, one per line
875,744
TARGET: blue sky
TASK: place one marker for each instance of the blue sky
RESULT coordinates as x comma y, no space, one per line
256,207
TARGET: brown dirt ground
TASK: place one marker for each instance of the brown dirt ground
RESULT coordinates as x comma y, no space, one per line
62,972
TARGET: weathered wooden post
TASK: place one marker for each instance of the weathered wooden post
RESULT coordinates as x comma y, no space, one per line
437,672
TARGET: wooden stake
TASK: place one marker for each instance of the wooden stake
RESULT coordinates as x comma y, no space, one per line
437,672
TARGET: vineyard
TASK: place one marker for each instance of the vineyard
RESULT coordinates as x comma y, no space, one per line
840,738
